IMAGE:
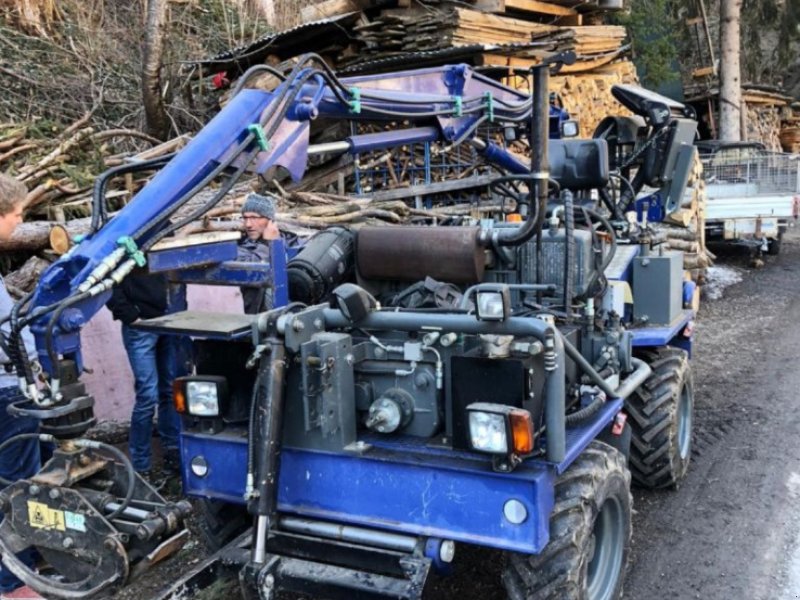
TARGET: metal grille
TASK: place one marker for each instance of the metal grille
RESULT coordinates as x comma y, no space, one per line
765,174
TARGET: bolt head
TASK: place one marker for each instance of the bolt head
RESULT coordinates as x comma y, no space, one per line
55,495
67,543
33,490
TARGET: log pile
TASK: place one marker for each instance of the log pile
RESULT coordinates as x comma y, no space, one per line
764,125
685,227
56,170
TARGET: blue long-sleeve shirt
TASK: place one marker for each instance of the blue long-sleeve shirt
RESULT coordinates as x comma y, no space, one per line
9,378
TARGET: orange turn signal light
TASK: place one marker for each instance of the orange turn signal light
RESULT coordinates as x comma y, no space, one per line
514,218
179,396
521,431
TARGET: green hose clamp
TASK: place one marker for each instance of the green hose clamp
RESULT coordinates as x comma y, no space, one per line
490,105
355,103
132,249
458,109
261,137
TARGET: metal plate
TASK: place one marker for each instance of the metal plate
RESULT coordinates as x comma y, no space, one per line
212,325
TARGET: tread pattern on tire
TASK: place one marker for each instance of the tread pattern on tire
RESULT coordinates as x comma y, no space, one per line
220,522
559,571
655,459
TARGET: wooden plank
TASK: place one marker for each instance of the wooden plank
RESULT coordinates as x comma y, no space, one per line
703,72
539,7
492,6
329,8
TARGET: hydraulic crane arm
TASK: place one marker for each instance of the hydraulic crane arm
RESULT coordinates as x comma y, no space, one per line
255,131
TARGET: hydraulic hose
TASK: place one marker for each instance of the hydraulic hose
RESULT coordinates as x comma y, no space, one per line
99,212
42,437
569,250
539,164
120,456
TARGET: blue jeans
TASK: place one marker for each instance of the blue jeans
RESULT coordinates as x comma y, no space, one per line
19,461
153,361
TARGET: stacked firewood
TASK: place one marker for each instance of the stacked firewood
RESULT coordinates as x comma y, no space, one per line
685,227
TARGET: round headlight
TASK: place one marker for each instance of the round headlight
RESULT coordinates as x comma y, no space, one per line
199,466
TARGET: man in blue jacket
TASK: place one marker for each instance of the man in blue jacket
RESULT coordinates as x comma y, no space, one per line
21,459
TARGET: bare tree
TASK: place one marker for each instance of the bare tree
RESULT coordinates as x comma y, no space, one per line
156,119
730,73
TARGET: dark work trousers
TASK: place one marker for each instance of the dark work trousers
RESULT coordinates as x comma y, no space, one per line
19,461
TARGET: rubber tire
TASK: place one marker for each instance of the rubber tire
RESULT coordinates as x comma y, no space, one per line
774,246
561,571
661,441
220,522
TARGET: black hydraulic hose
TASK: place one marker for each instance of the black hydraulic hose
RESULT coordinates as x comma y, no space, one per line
539,164
635,185
99,212
585,412
569,250
251,425
51,325
42,437
125,463
255,69
610,204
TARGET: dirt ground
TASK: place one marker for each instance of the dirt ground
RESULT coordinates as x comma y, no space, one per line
732,530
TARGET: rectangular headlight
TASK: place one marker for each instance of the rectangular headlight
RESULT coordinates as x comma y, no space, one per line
200,396
488,433
493,305
500,429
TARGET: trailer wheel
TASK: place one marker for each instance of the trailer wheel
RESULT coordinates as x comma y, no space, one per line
590,534
220,522
774,246
660,415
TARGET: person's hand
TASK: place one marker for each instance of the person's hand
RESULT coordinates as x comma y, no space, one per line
271,231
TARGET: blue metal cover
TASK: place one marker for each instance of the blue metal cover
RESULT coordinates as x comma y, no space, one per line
429,495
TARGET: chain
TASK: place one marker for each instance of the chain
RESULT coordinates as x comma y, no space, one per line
641,150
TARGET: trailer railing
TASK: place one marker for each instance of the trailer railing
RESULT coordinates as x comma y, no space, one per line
767,174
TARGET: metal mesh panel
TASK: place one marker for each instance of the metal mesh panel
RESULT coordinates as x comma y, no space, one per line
755,175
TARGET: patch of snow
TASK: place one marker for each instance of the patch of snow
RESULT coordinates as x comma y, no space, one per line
718,278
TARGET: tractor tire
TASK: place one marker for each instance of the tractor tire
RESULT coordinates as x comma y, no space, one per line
590,534
660,415
220,522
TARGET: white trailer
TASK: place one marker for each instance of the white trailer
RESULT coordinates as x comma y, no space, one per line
752,200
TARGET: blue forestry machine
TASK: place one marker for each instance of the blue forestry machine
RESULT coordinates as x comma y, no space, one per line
490,383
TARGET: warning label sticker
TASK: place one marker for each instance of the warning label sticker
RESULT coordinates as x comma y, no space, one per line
75,521
42,516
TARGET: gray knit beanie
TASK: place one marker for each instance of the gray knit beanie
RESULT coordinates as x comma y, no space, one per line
262,205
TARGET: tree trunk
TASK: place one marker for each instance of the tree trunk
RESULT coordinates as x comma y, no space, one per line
156,120
35,235
730,75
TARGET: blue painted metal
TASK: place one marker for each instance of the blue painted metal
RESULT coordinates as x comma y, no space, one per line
426,494
400,484
579,437
377,141
653,206
661,336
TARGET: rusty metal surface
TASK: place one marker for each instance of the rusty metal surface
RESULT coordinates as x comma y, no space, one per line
450,254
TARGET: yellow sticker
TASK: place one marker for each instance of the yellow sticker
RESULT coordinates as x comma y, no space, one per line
42,516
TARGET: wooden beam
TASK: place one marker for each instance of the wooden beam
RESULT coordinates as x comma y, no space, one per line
703,72
542,8
330,8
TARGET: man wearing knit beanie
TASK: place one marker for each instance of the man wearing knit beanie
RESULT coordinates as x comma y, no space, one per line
258,217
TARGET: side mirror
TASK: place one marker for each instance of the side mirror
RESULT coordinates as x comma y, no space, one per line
569,129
